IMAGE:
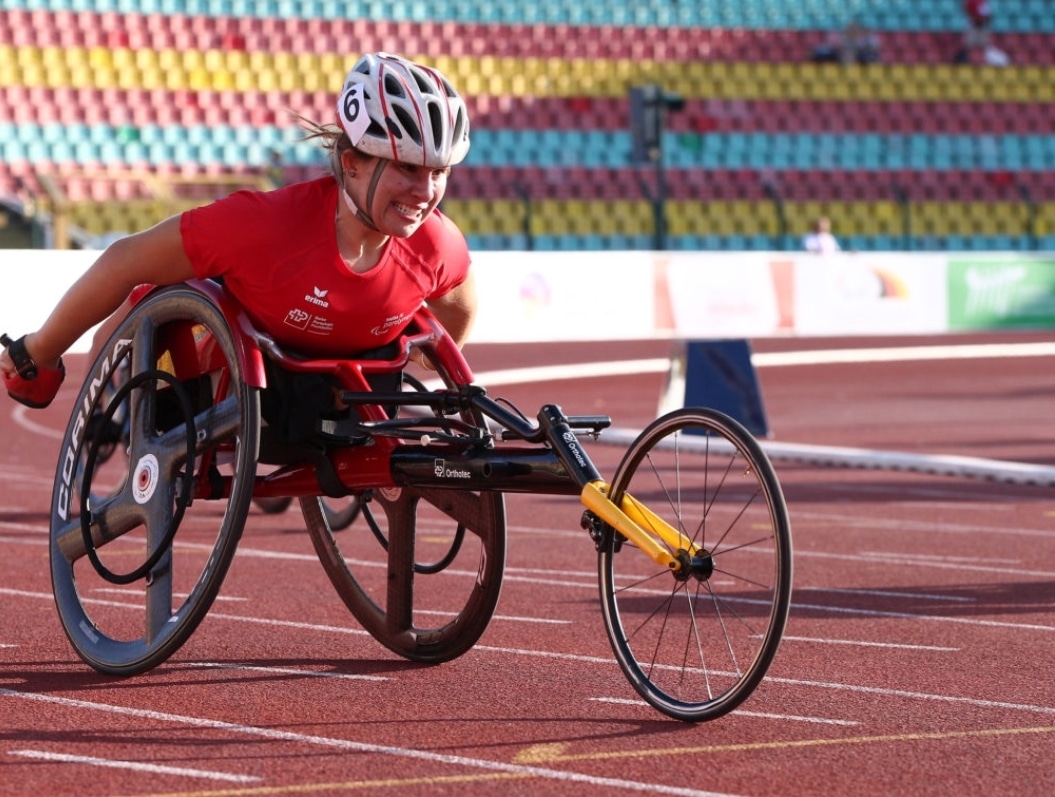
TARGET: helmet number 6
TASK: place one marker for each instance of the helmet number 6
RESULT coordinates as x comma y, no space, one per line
355,121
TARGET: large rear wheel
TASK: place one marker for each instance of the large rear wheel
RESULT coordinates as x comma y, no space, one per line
138,551
421,570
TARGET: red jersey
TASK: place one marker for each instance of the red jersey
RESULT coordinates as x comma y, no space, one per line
277,253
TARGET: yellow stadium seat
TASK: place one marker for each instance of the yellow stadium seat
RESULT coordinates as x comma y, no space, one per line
198,78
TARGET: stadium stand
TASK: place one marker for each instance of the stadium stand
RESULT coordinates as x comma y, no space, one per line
115,113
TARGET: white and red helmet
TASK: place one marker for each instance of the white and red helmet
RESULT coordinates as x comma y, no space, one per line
393,108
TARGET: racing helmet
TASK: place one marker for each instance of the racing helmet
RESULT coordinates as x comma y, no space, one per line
393,108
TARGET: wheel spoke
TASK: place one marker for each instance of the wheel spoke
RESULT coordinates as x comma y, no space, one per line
421,569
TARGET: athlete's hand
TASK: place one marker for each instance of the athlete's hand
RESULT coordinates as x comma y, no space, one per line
40,385
418,356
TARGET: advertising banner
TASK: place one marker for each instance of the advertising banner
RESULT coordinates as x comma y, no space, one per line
633,295
1001,291
870,293
719,295
558,296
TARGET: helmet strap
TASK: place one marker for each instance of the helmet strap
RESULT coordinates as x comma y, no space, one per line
363,215
375,178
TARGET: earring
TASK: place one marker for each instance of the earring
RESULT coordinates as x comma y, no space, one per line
350,173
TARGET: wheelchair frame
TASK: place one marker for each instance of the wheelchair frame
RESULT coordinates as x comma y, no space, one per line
455,450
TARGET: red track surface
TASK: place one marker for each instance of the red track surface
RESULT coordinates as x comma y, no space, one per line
917,659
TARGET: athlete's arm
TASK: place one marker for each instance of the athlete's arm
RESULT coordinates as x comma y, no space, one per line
153,256
456,309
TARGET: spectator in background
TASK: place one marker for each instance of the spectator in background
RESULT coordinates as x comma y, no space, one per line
855,44
820,240
976,38
979,20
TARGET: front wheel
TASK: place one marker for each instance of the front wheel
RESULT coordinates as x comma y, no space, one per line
696,643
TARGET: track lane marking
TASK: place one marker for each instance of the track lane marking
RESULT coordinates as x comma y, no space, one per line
609,662
800,743
299,672
343,786
888,593
348,745
579,658
904,693
796,607
916,561
820,607
135,766
622,701
649,365
863,644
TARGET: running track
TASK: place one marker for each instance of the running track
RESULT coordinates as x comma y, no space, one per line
917,661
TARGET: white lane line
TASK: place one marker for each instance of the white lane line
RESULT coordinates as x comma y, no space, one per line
904,693
970,701
551,373
815,607
969,351
135,766
20,414
794,718
909,526
40,529
556,373
561,577
622,701
288,671
21,593
857,643
184,595
889,593
592,585
604,661
264,621
506,617
275,734
916,561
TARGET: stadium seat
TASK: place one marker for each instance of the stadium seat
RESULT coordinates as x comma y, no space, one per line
543,106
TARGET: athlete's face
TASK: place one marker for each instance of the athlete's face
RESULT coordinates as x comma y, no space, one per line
404,195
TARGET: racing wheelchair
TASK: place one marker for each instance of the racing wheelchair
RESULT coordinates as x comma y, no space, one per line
171,439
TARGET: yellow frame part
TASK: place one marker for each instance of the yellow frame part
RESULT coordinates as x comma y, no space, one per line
630,519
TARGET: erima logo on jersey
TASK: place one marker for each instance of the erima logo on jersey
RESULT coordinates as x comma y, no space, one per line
319,298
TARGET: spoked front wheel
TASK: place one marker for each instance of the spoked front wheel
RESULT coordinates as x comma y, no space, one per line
695,643
153,485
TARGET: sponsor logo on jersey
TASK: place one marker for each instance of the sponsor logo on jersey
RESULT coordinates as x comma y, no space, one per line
391,321
297,318
317,297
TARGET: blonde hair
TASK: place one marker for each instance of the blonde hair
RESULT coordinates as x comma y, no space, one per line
331,137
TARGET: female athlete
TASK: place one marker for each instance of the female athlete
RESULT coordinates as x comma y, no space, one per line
328,267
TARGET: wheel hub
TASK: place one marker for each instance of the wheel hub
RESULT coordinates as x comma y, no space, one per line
146,479
699,567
